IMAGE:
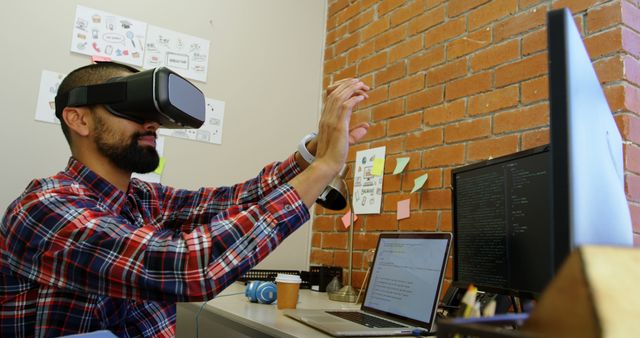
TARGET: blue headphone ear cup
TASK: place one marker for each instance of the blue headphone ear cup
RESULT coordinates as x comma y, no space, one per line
250,291
266,292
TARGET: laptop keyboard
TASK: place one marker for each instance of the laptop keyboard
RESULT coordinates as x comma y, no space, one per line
364,319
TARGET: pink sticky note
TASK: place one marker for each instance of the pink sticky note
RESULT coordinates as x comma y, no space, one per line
97,58
346,219
403,209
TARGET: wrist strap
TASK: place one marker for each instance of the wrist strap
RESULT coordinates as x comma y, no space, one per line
302,147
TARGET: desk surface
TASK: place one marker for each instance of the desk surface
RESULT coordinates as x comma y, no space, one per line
232,308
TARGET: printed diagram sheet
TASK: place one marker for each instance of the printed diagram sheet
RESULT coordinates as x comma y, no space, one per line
367,187
46,106
211,130
184,54
104,34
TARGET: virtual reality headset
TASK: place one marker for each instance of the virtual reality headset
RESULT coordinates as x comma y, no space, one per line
157,94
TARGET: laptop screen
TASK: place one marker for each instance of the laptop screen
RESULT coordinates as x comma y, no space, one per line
406,276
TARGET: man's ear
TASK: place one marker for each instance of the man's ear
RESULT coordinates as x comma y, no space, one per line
77,119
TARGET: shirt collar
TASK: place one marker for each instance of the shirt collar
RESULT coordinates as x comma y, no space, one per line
108,193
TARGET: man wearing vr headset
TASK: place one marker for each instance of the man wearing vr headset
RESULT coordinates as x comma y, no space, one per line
90,248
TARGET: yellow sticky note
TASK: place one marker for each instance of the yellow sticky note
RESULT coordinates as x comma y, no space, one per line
378,167
160,167
404,207
419,182
401,163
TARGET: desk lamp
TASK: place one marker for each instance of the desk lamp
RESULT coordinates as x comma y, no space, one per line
336,197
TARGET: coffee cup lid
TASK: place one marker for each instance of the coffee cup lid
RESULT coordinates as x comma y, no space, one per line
286,278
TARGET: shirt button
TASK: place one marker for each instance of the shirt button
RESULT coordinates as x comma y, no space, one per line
288,207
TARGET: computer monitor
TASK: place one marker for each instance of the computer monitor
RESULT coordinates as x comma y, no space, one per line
589,201
573,195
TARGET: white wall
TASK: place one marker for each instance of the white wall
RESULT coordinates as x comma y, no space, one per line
265,62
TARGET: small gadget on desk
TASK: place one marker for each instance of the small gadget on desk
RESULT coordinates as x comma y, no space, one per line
261,292
402,294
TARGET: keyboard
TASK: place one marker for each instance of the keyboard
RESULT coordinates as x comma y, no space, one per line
365,319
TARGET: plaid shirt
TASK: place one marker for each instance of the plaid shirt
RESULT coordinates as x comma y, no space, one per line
78,255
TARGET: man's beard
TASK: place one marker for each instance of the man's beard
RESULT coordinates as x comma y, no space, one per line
128,156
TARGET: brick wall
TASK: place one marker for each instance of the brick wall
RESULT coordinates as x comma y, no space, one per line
459,81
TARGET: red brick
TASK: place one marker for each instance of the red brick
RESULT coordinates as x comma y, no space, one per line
427,20
405,49
631,70
534,42
575,6
390,201
604,43
402,15
373,63
381,222
447,112
364,241
524,69
407,85
446,221
445,31
424,139
443,156
467,130
420,221
361,20
601,18
494,100
449,71
393,72
468,86
495,55
630,15
491,148
436,199
387,6
520,23
457,7
632,186
347,43
426,60
522,4
335,64
468,44
344,73
414,162
388,110
632,158
404,124
337,6
631,42
490,12
535,90
391,37
324,223
531,139
609,69
348,13
321,257
334,240
376,95
425,98
392,143
359,52
376,28
335,35
521,119
376,130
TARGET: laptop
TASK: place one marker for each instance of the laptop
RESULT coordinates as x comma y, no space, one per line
402,294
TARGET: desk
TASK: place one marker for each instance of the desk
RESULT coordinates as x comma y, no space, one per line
232,315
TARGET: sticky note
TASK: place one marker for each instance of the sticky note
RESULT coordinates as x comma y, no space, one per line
419,182
346,219
401,163
404,207
160,167
378,167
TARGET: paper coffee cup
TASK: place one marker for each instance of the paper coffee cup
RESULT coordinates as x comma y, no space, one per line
288,287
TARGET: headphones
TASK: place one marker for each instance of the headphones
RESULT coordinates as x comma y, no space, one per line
261,292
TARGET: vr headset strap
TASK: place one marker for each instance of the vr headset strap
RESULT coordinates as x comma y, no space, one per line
105,93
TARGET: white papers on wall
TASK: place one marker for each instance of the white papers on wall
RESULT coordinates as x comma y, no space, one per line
46,106
184,54
108,35
211,130
367,187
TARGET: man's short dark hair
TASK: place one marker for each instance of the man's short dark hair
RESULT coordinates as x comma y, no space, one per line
89,75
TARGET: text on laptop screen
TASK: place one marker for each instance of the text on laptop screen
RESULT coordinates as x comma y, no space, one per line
405,276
